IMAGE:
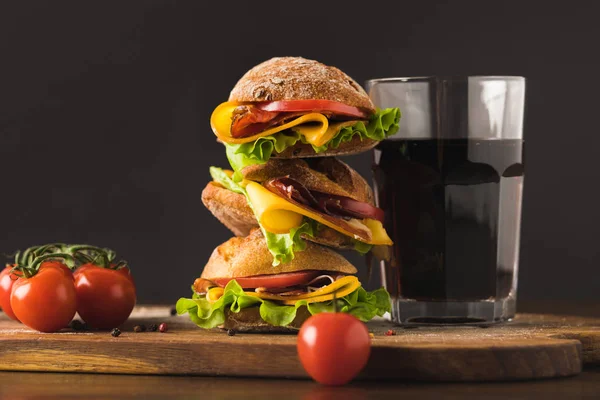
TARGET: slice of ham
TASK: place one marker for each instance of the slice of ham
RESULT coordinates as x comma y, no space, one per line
201,285
331,204
346,207
283,190
248,120
321,280
282,291
315,284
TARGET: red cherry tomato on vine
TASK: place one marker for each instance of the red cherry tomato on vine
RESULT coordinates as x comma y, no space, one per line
7,281
57,264
333,347
105,297
46,301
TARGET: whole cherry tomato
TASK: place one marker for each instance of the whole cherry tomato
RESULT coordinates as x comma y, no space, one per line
333,347
7,279
105,297
46,301
57,264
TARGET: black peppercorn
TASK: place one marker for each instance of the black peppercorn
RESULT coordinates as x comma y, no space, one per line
173,311
230,332
115,332
153,328
77,325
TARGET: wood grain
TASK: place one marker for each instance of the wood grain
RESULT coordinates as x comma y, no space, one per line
533,346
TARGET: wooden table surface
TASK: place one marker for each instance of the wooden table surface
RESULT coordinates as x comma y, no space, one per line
28,385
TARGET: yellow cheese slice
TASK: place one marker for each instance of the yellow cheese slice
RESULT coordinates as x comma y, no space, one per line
220,122
315,135
378,233
214,294
266,206
342,287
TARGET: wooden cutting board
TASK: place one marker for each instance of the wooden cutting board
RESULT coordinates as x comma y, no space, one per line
533,346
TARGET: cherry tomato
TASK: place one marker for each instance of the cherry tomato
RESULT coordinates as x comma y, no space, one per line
313,105
333,347
105,297
57,264
46,301
271,281
7,281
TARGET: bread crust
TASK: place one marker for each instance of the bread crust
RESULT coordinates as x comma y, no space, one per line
230,208
297,78
249,256
249,320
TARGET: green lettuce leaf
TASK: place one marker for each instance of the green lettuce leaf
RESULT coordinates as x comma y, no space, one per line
281,245
362,247
360,303
381,125
219,176
259,151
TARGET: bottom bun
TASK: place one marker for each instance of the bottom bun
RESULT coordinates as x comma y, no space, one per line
249,320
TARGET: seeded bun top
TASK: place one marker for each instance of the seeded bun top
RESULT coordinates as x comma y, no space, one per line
296,78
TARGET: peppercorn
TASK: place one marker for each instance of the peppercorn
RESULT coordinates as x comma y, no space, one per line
230,332
390,332
77,325
173,311
163,327
153,327
139,328
115,332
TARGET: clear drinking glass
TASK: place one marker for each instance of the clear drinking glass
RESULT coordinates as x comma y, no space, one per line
450,182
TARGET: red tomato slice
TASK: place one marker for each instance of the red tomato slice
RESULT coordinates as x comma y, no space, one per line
272,281
313,105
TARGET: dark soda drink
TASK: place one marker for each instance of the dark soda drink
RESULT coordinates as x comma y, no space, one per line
453,210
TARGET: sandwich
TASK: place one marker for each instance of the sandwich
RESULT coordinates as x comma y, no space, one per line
240,289
289,201
291,107
322,200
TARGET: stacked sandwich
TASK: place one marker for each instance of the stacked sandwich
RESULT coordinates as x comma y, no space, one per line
288,200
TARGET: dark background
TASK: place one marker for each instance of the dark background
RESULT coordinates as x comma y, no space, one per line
104,111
